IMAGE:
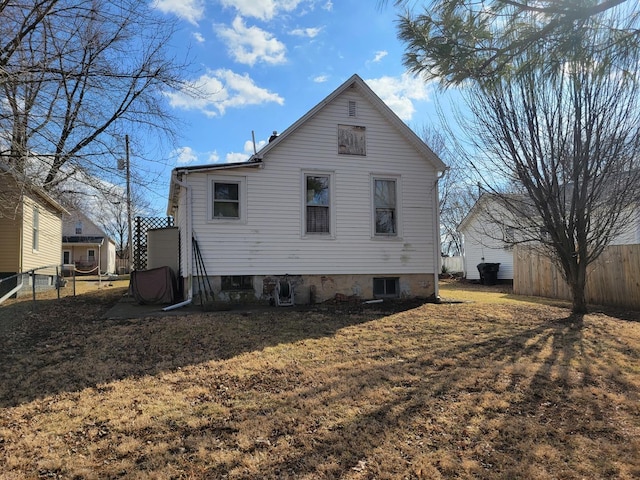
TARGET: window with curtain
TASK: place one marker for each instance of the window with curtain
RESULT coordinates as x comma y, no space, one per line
385,206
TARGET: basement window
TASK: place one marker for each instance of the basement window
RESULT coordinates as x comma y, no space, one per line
237,282
386,287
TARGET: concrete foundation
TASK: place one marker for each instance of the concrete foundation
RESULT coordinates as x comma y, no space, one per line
309,289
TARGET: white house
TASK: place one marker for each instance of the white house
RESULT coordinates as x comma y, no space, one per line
484,237
344,201
483,240
86,245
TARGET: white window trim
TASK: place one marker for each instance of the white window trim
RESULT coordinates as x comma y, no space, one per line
242,197
95,255
398,180
332,204
35,229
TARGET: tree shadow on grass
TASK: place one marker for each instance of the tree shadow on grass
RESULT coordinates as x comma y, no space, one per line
486,403
480,407
72,347
549,403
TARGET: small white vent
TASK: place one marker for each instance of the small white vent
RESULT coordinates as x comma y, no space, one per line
352,108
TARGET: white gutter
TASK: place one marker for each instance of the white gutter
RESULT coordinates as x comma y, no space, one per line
188,235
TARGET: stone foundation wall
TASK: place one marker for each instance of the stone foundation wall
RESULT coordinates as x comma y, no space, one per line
309,289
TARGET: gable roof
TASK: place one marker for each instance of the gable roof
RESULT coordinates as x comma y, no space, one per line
74,214
31,188
356,82
256,159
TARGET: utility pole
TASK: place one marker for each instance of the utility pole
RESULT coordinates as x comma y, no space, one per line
130,233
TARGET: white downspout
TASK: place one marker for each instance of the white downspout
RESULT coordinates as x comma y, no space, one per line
189,246
436,244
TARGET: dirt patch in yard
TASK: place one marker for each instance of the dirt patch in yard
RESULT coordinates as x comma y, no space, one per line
496,386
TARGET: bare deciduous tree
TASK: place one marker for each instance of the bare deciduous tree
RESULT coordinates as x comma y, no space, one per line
75,77
456,194
564,134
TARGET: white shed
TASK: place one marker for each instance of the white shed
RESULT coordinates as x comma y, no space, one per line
482,240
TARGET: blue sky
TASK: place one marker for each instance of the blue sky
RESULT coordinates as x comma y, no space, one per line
264,63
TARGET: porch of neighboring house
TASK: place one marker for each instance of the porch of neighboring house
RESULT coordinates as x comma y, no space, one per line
82,252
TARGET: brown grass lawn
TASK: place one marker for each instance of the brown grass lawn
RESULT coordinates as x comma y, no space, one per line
496,387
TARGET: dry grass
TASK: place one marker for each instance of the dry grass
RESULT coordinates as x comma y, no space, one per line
497,388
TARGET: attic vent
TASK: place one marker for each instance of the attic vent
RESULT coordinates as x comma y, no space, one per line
352,108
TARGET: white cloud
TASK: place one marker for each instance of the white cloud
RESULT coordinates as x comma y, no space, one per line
249,45
235,157
380,55
222,89
199,37
189,10
262,9
328,6
306,32
185,155
399,93
320,78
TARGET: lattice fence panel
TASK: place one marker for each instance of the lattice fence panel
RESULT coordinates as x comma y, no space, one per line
142,225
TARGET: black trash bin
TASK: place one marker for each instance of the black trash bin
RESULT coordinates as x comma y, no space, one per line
488,273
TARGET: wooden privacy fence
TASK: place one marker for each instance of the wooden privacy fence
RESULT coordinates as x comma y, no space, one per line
613,279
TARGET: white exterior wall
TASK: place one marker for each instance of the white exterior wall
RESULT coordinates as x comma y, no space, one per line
630,234
107,249
271,242
481,244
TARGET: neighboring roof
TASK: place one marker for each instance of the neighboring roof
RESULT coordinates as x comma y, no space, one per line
485,200
83,240
32,188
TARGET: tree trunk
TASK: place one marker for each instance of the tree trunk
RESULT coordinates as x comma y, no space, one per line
577,283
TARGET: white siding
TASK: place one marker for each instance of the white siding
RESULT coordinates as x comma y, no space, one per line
481,244
631,230
271,241
90,229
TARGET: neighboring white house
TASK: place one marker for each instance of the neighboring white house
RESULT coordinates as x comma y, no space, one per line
483,240
344,201
483,237
86,245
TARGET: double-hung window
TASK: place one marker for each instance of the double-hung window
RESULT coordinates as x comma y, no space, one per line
317,207
226,196
385,206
